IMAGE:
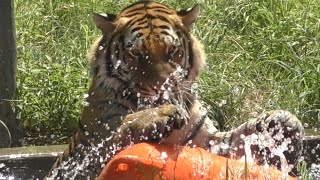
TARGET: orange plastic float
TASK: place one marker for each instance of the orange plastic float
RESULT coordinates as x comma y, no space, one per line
149,161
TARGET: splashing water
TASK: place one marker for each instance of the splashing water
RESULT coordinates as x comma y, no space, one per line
166,89
314,171
4,171
96,155
117,64
163,155
99,154
86,161
265,140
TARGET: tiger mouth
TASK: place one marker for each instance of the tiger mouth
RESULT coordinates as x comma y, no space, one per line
153,96
172,95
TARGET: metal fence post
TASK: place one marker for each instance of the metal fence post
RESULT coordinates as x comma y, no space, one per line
8,68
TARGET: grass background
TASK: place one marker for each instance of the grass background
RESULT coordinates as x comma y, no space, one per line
261,54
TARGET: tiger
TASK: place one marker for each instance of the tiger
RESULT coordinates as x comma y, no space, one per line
145,69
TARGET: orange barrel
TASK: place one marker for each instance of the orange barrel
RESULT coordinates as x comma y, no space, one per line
150,161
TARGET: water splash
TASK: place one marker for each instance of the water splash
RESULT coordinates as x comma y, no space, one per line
86,161
314,171
163,156
264,140
116,66
165,91
4,171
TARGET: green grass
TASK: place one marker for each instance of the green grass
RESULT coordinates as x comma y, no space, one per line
302,169
262,55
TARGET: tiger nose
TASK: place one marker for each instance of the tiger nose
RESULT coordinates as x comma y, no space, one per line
158,73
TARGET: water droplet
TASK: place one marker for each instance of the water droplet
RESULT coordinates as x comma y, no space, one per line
211,142
107,126
117,64
224,146
85,103
166,95
2,165
163,155
189,142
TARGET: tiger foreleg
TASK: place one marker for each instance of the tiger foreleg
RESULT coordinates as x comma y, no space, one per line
267,139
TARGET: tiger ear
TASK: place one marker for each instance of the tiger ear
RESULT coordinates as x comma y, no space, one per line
104,22
189,16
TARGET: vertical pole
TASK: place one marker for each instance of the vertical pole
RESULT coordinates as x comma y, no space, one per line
9,124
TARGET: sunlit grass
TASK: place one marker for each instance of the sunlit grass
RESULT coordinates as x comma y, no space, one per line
261,55
302,169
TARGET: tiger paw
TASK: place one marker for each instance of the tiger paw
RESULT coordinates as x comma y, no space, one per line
152,124
278,120
285,132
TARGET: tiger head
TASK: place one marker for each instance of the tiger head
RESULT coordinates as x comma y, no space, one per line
146,55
